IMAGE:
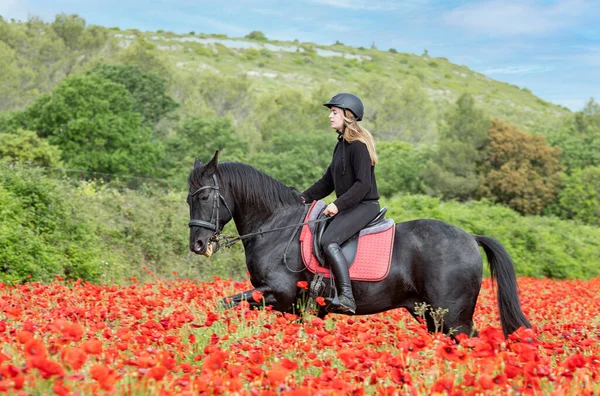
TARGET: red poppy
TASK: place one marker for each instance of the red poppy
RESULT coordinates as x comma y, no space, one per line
35,348
24,336
60,388
443,385
215,361
47,368
277,375
157,373
257,295
320,300
92,347
302,285
74,357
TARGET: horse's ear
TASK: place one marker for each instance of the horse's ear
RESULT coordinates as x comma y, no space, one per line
213,165
198,163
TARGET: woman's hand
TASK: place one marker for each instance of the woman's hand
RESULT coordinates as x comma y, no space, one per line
330,210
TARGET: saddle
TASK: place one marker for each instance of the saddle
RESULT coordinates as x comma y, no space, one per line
368,252
349,247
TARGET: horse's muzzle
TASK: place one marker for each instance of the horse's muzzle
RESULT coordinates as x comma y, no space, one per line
206,250
198,247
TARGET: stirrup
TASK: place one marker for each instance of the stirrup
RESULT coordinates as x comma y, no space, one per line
334,305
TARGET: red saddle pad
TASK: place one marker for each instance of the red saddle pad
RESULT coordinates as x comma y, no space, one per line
373,256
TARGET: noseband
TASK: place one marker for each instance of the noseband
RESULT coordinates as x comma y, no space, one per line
213,224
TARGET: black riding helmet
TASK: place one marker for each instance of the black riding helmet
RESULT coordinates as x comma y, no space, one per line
348,101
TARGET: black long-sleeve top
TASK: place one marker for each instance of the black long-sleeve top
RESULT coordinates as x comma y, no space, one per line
350,174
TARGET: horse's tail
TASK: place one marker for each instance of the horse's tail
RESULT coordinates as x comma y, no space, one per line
503,271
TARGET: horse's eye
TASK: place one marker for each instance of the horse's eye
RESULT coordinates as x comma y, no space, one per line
204,198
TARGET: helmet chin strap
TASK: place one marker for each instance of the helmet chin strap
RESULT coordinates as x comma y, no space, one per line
345,126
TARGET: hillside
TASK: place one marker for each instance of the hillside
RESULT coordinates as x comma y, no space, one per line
306,66
37,55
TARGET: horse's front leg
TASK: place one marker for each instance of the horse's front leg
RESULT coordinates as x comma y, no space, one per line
267,298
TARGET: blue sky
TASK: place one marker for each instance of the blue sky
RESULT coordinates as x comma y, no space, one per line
551,47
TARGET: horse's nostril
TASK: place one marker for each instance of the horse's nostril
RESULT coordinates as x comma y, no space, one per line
198,246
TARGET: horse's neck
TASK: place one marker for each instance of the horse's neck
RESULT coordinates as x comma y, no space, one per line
249,221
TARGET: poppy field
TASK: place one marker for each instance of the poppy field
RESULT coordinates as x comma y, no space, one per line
169,337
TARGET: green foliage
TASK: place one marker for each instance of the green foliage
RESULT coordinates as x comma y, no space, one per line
539,246
580,197
143,53
406,114
92,121
69,28
199,138
35,55
88,230
256,35
149,91
579,137
290,112
295,159
452,171
41,232
28,147
9,72
227,95
521,170
398,169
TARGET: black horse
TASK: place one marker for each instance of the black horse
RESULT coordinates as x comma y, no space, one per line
433,262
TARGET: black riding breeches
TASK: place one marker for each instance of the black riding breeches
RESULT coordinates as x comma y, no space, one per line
348,222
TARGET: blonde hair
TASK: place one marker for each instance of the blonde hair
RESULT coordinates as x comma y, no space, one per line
354,131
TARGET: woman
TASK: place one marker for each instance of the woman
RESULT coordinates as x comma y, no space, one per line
351,175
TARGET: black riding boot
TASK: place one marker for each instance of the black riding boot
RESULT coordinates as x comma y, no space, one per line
339,267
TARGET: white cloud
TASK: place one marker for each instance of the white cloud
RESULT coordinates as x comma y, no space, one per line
14,9
515,17
197,21
373,5
339,28
21,10
525,69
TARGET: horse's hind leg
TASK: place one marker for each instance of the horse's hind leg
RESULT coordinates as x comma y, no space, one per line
458,319
451,319
451,314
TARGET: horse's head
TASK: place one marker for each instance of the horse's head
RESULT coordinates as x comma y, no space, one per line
209,210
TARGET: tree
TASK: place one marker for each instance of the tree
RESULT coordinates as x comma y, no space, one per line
398,169
92,121
295,159
521,170
9,76
579,138
580,197
200,137
256,35
144,54
406,114
69,28
452,170
28,147
227,95
148,90
288,111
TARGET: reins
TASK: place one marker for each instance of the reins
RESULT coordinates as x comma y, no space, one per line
230,239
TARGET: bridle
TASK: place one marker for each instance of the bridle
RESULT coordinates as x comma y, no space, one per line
213,224
228,240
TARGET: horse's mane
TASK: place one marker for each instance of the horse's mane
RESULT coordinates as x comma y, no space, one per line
249,186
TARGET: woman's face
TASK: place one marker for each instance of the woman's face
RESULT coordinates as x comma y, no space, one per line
336,118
